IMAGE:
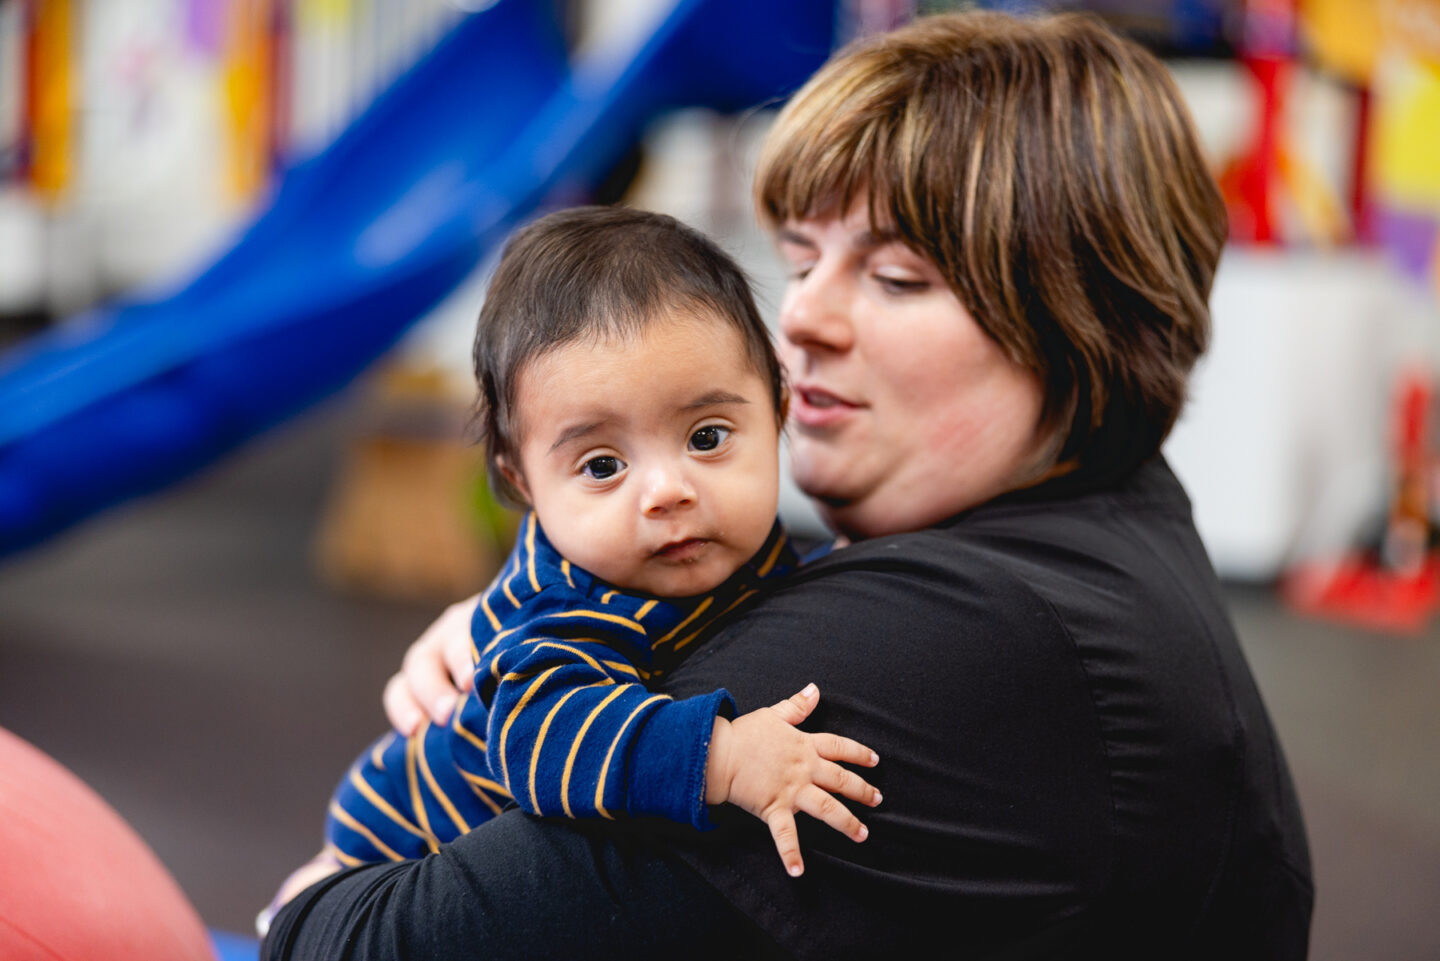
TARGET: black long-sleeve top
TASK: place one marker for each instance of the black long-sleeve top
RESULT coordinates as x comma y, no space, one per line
1074,758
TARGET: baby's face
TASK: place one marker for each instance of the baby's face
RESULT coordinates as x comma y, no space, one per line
651,461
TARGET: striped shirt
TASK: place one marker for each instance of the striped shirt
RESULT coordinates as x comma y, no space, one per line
559,721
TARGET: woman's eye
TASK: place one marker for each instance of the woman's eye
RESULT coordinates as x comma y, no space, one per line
602,468
901,285
709,438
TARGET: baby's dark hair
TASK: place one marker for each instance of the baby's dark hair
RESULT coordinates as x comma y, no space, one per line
591,273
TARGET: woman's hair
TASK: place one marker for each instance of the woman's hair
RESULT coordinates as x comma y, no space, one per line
591,273
1050,170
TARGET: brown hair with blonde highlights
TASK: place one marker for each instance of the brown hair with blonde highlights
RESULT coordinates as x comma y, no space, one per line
1050,170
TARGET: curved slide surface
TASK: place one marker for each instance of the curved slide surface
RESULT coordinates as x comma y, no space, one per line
360,242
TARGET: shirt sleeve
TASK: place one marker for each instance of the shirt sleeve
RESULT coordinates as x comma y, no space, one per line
518,888
571,731
368,819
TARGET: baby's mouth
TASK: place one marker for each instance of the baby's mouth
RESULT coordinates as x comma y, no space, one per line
686,549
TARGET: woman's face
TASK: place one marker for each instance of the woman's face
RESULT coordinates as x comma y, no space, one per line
904,411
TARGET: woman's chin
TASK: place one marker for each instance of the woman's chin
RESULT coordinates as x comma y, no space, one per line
835,502
828,492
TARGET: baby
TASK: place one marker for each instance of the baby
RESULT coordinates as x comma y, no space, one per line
630,396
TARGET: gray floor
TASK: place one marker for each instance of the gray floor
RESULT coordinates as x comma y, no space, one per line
180,657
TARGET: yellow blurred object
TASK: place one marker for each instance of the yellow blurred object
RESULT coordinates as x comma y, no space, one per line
1406,137
1344,35
247,94
1412,26
331,12
399,523
409,515
54,89
1353,37
1318,206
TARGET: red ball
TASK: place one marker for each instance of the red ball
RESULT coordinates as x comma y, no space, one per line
76,882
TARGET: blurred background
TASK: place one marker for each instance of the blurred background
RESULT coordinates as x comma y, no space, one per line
242,245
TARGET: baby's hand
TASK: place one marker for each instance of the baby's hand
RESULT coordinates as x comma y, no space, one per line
759,762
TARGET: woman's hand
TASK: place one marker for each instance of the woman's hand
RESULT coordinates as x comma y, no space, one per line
436,671
759,762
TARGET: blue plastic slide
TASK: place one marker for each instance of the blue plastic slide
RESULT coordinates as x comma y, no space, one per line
360,242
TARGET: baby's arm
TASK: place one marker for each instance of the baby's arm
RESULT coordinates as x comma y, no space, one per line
571,731
761,763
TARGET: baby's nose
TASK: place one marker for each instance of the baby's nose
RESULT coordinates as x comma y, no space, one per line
667,489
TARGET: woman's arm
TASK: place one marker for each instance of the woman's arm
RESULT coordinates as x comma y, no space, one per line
519,888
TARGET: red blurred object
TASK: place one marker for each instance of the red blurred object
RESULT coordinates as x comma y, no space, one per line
1361,205
78,884
1253,201
1359,591
1398,589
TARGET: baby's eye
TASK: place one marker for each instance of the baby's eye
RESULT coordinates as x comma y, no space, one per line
602,468
709,437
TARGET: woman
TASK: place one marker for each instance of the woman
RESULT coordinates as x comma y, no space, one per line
1002,236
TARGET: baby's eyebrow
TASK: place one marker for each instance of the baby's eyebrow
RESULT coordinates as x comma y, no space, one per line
574,432
715,397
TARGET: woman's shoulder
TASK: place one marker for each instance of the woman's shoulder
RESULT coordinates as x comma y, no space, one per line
1138,531
953,559
910,587
1091,569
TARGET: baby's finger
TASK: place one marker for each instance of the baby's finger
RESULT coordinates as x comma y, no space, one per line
838,780
797,707
822,806
833,747
787,841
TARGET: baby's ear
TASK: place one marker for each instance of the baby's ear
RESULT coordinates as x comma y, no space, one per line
513,475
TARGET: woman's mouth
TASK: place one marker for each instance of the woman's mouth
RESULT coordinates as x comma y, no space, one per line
815,407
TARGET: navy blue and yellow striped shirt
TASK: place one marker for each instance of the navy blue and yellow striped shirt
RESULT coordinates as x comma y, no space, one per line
559,720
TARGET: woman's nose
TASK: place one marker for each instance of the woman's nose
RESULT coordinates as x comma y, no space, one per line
815,313
667,489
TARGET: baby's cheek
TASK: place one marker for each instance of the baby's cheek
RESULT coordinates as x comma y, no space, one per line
759,501
581,536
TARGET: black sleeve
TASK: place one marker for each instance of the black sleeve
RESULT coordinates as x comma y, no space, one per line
518,887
